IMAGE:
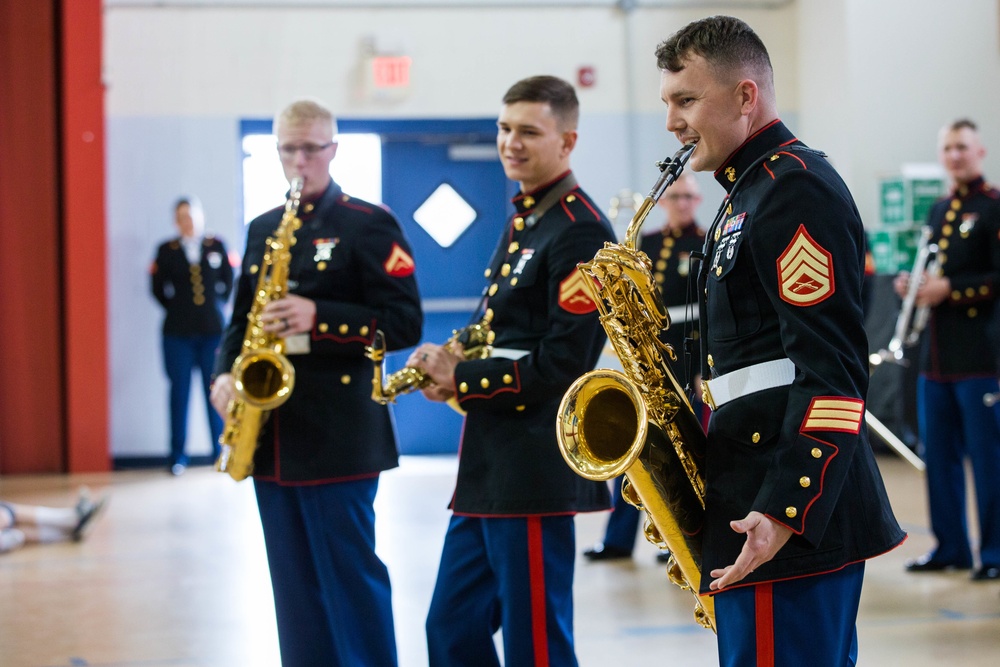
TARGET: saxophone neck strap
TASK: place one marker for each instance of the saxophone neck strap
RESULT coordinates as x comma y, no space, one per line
549,200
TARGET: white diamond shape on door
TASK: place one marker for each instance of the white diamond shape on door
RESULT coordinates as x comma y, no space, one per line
445,215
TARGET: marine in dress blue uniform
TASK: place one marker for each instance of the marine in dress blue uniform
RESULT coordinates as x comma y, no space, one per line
317,466
509,552
958,363
794,500
192,279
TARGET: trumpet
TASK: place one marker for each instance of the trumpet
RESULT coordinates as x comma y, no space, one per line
912,320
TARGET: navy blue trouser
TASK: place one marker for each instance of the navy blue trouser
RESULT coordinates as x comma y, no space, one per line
807,621
181,355
332,597
511,573
954,424
623,522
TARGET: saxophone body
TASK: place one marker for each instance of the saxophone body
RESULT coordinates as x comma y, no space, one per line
639,422
477,343
263,376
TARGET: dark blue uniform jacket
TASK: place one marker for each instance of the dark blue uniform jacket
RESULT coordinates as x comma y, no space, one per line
193,295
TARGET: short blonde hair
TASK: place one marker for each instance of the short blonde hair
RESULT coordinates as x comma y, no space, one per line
306,111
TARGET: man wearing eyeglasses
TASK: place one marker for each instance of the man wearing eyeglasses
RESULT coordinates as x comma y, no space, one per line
317,466
669,249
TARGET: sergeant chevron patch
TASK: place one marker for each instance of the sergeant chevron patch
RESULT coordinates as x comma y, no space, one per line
399,264
831,413
805,271
574,295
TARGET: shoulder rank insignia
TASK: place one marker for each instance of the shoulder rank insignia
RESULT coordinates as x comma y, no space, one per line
805,271
399,264
574,297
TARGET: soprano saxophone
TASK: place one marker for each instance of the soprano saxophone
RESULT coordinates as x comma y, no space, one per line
263,376
639,422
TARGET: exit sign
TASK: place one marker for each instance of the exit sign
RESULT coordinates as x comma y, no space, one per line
391,71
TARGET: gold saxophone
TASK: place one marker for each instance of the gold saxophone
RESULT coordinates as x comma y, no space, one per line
477,343
639,422
262,374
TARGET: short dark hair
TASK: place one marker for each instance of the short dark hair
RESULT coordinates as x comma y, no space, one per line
726,43
557,93
193,202
963,123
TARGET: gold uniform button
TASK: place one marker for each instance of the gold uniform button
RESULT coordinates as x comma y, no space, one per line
195,268
198,299
791,512
321,266
364,331
984,290
309,208
970,292
956,204
513,247
658,277
464,387
755,438
669,242
729,209
507,379
816,452
487,273
343,329
718,233
947,230
254,268
488,315
950,216
493,289
942,258
513,281
505,270
711,362
519,224
718,270
973,312
664,252
570,199
520,408
345,379
956,295
323,327
661,265
484,383
804,482
774,157
198,288
943,244
529,201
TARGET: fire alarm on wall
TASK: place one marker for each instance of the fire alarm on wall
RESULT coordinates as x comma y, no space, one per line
585,76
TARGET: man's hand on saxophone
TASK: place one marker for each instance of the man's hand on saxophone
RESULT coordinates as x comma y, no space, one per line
289,315
223,391
439,363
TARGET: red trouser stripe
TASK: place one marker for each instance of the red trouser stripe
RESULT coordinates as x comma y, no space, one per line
764,602
536,577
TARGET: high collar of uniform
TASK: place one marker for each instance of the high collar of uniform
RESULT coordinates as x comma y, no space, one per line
524,202
309,207
962,190
770,137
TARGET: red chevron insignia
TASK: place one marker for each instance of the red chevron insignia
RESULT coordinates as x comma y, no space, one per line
575,295
399,264
805,271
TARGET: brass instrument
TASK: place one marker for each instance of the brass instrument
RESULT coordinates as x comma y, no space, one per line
989,400
262,374
912,320
476,340
639,422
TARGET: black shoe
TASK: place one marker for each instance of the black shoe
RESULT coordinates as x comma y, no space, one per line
986,573
604,552
928,564
663,557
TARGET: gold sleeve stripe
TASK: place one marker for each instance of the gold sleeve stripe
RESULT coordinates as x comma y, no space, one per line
834,414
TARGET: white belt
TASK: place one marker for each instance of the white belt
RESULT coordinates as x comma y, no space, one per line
508,352
751,379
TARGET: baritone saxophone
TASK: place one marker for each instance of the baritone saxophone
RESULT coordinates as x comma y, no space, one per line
263,376
639,422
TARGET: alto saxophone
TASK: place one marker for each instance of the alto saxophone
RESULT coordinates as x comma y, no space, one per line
639,422
263,376
477,343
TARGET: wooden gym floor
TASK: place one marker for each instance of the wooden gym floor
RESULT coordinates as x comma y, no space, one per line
174,575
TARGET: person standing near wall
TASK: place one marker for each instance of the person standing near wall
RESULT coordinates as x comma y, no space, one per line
509,551
958,360
317,467
670,250
794,502
192,279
